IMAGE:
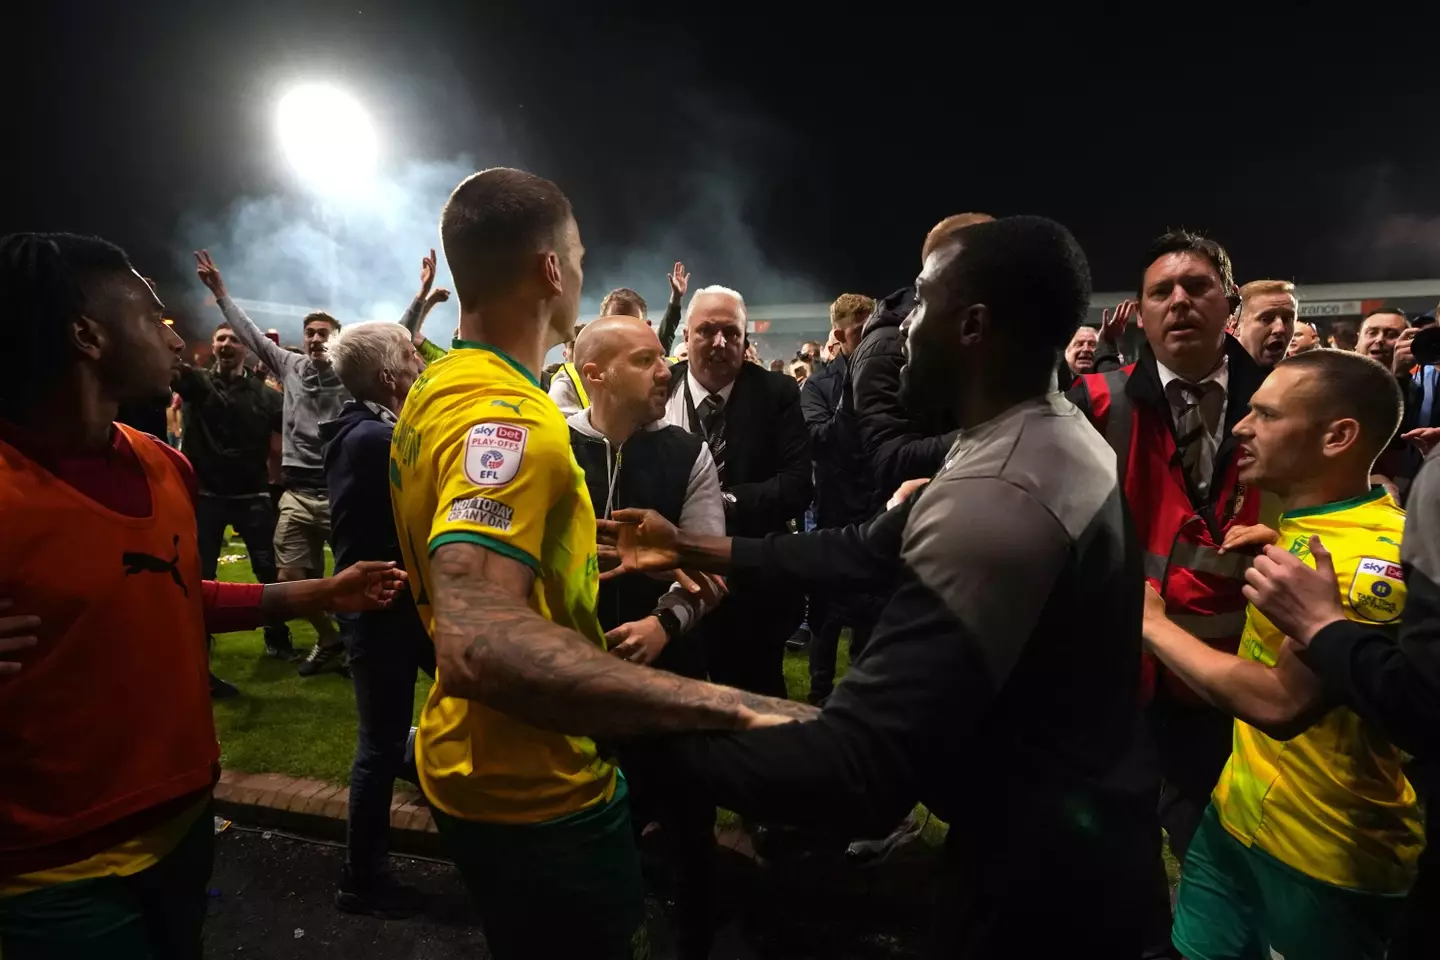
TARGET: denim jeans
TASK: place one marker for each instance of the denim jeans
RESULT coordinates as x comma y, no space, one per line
386,650
254,519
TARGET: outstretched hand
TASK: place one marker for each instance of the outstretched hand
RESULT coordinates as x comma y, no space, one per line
679,281
637,541
16,633
366,585
209,274
1297,599
1113,322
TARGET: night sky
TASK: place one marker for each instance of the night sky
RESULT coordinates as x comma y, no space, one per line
835,144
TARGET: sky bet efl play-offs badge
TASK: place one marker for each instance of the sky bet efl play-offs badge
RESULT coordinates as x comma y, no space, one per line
1378,591
493,453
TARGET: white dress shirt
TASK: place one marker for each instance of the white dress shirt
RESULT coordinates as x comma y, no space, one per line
675,413
1214,431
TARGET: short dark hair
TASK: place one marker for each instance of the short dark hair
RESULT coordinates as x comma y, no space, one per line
1383,311
1352,385
319,315
625,297
1422,320
492,220
1345,334
46,280
222,325
1032,275
1183,241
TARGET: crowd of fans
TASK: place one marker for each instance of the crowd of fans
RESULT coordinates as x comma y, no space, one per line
1096,596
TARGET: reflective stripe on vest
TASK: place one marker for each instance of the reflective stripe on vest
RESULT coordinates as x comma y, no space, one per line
1197,557
1181,556
574,376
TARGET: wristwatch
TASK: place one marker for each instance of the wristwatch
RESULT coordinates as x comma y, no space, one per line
669,621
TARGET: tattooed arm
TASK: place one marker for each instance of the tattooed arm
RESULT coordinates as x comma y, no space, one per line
491,647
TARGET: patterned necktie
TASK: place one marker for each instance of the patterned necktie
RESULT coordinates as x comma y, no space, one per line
712,421
1193,430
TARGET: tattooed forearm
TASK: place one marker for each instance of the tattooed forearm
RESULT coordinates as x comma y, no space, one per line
492,648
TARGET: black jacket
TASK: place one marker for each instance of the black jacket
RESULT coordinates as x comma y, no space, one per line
1396,684
898,445
228,425
844,492
652,470
998,687
767,450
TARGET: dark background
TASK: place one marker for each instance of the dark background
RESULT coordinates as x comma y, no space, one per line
1307,146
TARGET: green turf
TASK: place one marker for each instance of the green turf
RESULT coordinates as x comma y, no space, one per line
305,727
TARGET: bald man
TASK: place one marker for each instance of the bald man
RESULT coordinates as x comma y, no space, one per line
632,459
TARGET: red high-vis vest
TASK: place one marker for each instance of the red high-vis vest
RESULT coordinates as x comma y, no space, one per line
111,714
1200,585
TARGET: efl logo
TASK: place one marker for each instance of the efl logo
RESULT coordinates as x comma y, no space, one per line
493,453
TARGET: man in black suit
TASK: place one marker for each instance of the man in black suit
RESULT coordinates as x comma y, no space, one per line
752,422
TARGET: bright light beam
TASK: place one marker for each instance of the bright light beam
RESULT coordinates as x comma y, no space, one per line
327,138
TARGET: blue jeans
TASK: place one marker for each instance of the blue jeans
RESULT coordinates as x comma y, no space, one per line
386,650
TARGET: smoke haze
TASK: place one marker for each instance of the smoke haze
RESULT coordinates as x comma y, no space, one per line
359,257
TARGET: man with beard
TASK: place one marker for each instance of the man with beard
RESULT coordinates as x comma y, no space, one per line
998,687
110,754
632,458
1267,320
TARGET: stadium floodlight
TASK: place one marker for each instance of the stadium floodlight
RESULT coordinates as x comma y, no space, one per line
327,138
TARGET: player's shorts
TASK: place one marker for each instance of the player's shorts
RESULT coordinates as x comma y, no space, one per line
1239,902
157,912
301,531
565,888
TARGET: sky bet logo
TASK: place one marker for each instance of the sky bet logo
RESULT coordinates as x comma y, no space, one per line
493,453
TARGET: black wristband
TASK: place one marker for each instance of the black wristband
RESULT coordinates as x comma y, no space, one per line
669,621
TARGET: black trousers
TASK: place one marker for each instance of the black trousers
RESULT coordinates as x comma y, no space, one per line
745,637
254,519
831,611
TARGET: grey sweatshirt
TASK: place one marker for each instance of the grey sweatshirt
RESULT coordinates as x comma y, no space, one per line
313,394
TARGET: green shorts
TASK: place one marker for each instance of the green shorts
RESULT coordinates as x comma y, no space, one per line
156,914
1240,903
565,888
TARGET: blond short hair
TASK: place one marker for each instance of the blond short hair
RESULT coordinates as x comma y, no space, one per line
850,309
1257,288
944,231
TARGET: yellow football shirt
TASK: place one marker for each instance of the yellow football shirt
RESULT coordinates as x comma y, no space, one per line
1333,803
480,454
